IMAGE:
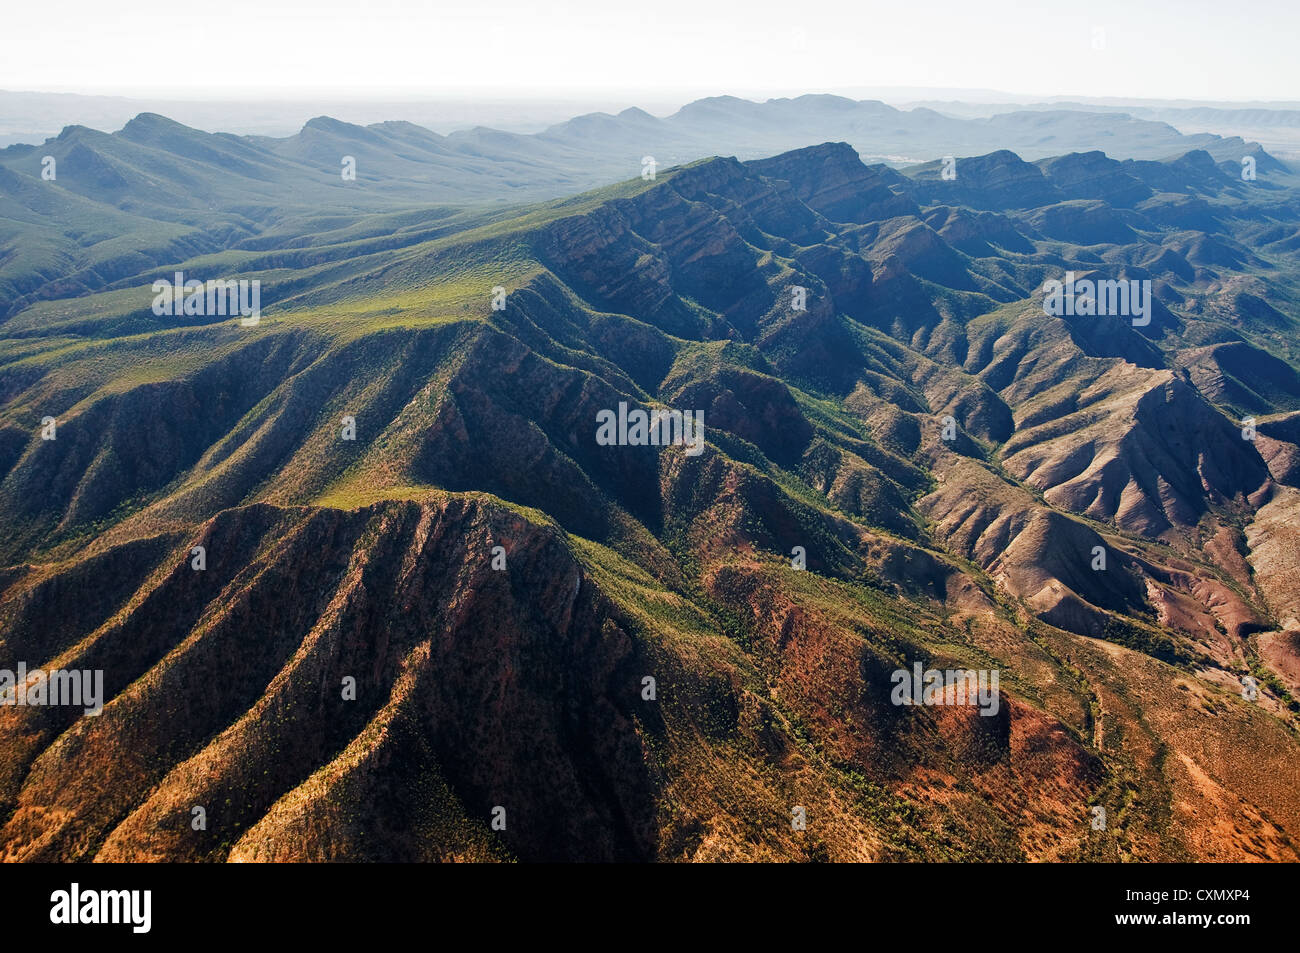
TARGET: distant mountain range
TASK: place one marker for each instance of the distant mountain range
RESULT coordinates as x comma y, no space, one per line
745,128
1276,126
156,190
32,117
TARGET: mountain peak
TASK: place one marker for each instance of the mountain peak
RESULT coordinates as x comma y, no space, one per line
997,180
75,131
636,113
1197,159
151,127
332,125
403,125
830,99
711,106
832,180
147,120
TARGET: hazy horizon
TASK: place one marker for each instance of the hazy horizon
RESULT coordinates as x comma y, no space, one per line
33,117
1172,51
671,97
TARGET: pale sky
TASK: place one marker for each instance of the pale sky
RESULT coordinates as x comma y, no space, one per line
1170,49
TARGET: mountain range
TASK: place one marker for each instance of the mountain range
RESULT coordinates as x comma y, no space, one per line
364,583
156,191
